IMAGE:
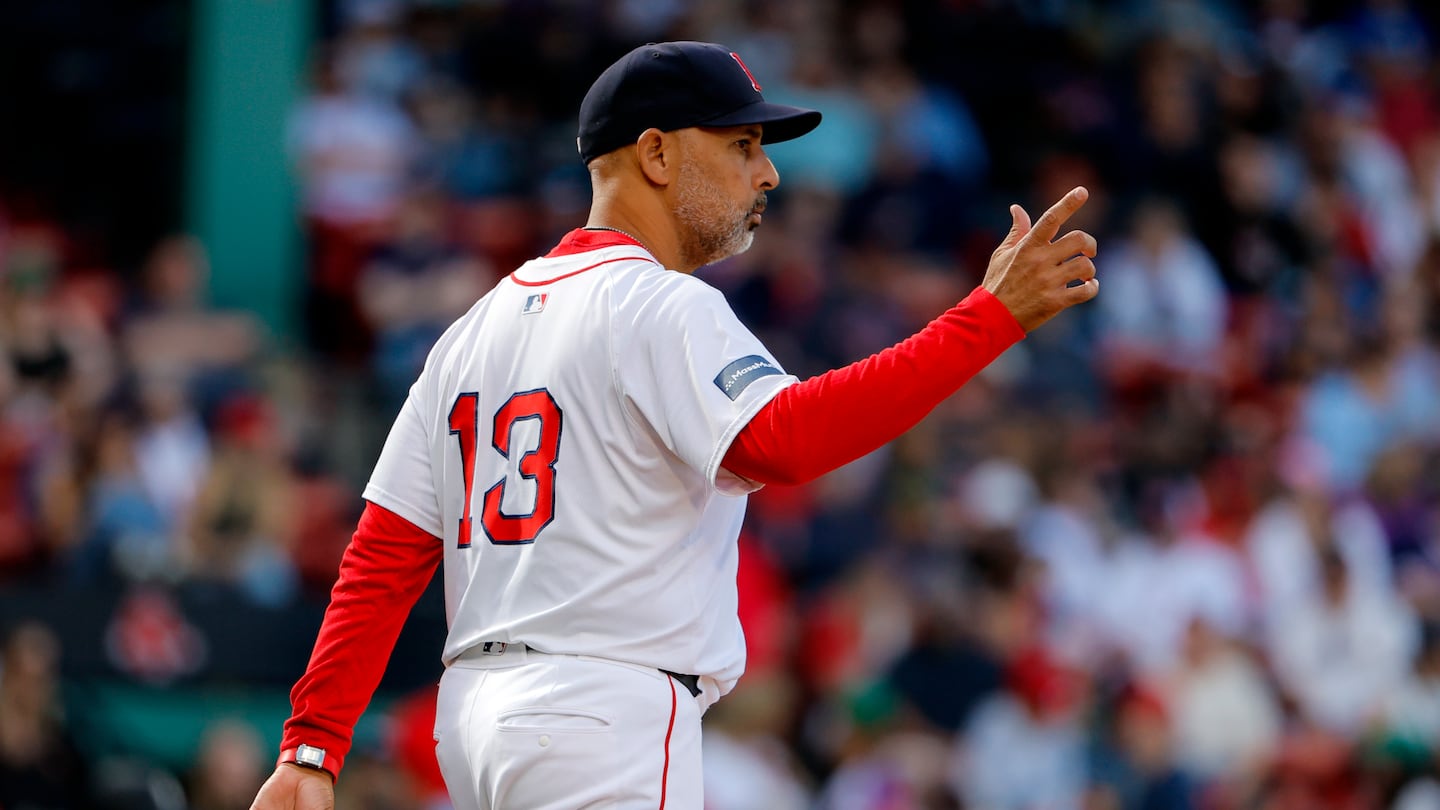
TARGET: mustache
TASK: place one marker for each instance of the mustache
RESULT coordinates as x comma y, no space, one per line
760,203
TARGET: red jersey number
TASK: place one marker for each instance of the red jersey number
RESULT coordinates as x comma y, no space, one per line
537,464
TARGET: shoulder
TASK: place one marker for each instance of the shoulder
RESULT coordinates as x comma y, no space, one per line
665,291
669,308
457,337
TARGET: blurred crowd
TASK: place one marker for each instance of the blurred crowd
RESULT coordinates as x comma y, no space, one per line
1178,549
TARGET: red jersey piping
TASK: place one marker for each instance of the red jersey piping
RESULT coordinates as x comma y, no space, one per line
581,270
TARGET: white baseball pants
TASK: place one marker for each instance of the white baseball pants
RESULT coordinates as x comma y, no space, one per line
531,731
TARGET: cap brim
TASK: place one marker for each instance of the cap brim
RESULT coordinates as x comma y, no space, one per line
781,121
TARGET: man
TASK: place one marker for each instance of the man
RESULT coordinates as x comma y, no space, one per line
579,447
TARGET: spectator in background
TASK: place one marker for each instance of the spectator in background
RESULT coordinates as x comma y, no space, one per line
19,546
374,58
324,525
1227,721
855,629
929,156
124,533
353,154
373,783
410,744
1024,748
472,147
928,133
229,769
1259,246
242,530
1406,511
1340,653
60,365
36,352
945,650
412,288
1381,398
172,447
1412,711
170,329
895,769
1420,794
185,356
1133,765
1170,573
842,155
1373,172
747,764
1171,153
34,340
1286,540
40,768
1066,535
1165,308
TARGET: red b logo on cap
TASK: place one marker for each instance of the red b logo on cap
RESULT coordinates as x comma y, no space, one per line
748,74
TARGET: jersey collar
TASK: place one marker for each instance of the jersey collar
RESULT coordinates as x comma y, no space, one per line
582,241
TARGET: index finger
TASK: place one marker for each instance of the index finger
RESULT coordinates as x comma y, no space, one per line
1049,223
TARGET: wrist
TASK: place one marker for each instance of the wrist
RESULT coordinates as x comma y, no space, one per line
311,758
999,314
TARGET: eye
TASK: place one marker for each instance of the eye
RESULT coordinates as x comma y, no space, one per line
744,144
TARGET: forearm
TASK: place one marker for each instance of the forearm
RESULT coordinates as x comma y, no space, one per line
385,569
815,426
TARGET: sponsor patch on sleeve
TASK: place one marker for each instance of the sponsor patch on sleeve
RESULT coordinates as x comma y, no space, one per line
736,377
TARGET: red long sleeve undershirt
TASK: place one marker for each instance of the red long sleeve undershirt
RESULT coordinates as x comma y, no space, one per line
807,430
825,422
385,569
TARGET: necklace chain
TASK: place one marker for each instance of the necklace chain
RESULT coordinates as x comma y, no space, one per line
638,240
615,230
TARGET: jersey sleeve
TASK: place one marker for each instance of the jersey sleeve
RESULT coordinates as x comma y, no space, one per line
818,425
689,369
385,569
402,481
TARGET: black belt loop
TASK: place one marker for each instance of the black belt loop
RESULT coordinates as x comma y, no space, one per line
691,682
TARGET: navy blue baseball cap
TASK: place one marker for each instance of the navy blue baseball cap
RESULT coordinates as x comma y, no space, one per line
674,85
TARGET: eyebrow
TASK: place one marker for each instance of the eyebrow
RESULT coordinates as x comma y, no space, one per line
754,131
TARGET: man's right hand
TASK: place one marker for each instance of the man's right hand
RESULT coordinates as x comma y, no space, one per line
1031,270
292,787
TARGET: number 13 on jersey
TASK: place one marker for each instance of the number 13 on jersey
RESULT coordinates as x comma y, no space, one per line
535,464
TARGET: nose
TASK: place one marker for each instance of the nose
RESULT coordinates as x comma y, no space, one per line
768,178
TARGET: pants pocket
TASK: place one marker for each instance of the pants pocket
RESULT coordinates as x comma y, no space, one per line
552,718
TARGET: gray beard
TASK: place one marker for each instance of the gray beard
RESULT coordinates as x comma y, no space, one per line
713,230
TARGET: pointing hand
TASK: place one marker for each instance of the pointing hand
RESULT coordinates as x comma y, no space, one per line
1036,275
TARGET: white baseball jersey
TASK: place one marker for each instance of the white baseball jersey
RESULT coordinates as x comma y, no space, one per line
565,440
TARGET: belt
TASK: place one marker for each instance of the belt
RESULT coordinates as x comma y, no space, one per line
690,682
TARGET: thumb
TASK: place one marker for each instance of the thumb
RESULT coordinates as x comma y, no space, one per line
1019,226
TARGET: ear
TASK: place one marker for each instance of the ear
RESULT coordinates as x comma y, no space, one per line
659,155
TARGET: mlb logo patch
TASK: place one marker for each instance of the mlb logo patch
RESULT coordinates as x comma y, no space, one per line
534,303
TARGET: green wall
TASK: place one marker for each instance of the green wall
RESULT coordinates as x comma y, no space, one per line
247,68
165,726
